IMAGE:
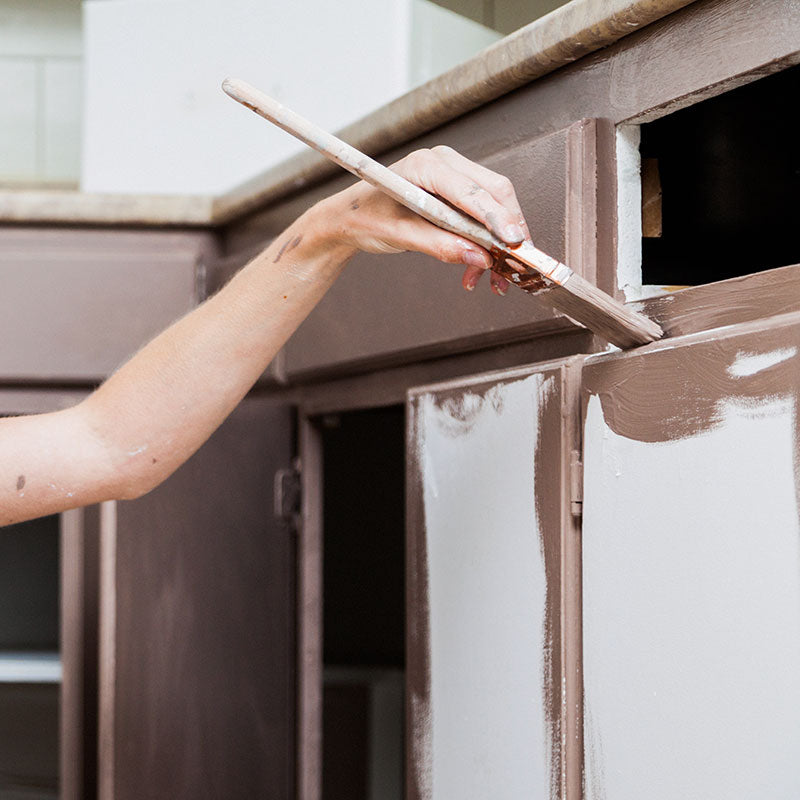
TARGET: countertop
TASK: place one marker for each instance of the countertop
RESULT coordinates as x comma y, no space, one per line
552,41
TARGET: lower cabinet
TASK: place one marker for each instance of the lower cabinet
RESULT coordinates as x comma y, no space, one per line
691,546
197,625
602,596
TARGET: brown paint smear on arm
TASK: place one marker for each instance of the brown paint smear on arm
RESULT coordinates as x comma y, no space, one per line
287,247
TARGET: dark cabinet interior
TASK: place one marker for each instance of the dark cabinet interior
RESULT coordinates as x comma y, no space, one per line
29,660
363,604
729,174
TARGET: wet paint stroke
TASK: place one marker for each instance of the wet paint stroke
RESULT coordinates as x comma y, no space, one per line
716,305
418,666
547,494
493,620
676,392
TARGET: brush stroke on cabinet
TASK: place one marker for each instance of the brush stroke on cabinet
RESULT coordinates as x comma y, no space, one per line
691,585
493,654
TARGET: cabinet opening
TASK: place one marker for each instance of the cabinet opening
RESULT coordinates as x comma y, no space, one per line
363,604
29,660
29,586
721,186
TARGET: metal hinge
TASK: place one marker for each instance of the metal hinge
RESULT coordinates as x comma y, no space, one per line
288,494
575,483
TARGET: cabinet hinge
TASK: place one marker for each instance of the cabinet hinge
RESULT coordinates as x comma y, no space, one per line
288,494
576,483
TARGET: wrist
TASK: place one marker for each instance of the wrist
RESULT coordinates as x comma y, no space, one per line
325,223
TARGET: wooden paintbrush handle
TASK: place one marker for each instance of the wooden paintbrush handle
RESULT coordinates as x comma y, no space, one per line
388,181
525,265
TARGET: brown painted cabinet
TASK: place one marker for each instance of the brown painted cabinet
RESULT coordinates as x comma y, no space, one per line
147,647
691,539
493,586
197,656
78,303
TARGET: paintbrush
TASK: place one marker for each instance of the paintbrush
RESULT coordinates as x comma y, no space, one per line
525,265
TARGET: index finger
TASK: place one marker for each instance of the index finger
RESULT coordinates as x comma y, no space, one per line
436,174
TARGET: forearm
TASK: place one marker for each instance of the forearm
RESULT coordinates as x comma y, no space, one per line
164,403
152,414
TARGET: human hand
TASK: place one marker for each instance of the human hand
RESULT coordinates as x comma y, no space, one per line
371,221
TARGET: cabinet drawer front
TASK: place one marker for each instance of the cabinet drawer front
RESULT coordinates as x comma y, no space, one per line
385,309
75,304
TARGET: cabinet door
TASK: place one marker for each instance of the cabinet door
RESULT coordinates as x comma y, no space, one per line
493,698
382,309
691,582
197,621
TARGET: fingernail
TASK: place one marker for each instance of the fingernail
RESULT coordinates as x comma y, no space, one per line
513,233
498,289
473,258
471,281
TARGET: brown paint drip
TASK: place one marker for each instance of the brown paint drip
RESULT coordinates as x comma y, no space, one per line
675,393
547,497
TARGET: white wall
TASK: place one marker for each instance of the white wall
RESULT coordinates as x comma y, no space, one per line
40,91
157,120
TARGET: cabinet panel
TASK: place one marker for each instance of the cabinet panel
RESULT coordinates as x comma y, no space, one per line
691,588
386,309
493,621
76,304
197,625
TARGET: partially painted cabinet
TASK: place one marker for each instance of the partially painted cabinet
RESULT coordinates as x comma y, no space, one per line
604,597
494,690
691,546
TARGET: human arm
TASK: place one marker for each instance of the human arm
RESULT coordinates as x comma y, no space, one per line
152,414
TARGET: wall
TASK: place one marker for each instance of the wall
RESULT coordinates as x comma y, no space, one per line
40,91
157,121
